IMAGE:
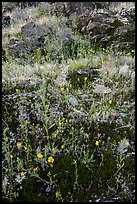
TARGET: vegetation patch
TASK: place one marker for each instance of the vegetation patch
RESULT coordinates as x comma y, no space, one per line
68,115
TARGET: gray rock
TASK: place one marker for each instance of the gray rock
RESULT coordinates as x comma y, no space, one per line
73,101
16,48
6,21
124,71
32,30
127,60
101,89
86,71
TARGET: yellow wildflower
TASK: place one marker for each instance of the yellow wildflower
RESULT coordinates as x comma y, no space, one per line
120,53
22,173
105,73
26,122
85,78
17,90
49,173
60,123
62,88
70,86
110,102
25,147
97,143
19,144
39,155
79,54
132,50
54,135
104,62
46,58
74,161
11,156
62,146
91,50
50,159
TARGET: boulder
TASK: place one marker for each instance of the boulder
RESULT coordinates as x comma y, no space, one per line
106,28
27,4
96,23
34,35
101,89
33,30
16,48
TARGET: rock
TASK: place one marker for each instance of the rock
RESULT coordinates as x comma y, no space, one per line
127,60
127,15
101,89
33,38
6,20
34,35
73,101
32,30
8,6
105,40
123,45
94,20
94,27
124,34
106,28
27,4
84,71
87,71
16,48
133,78
124,71
86,97
82,21
68,8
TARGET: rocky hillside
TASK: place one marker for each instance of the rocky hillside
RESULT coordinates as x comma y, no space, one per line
30,26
